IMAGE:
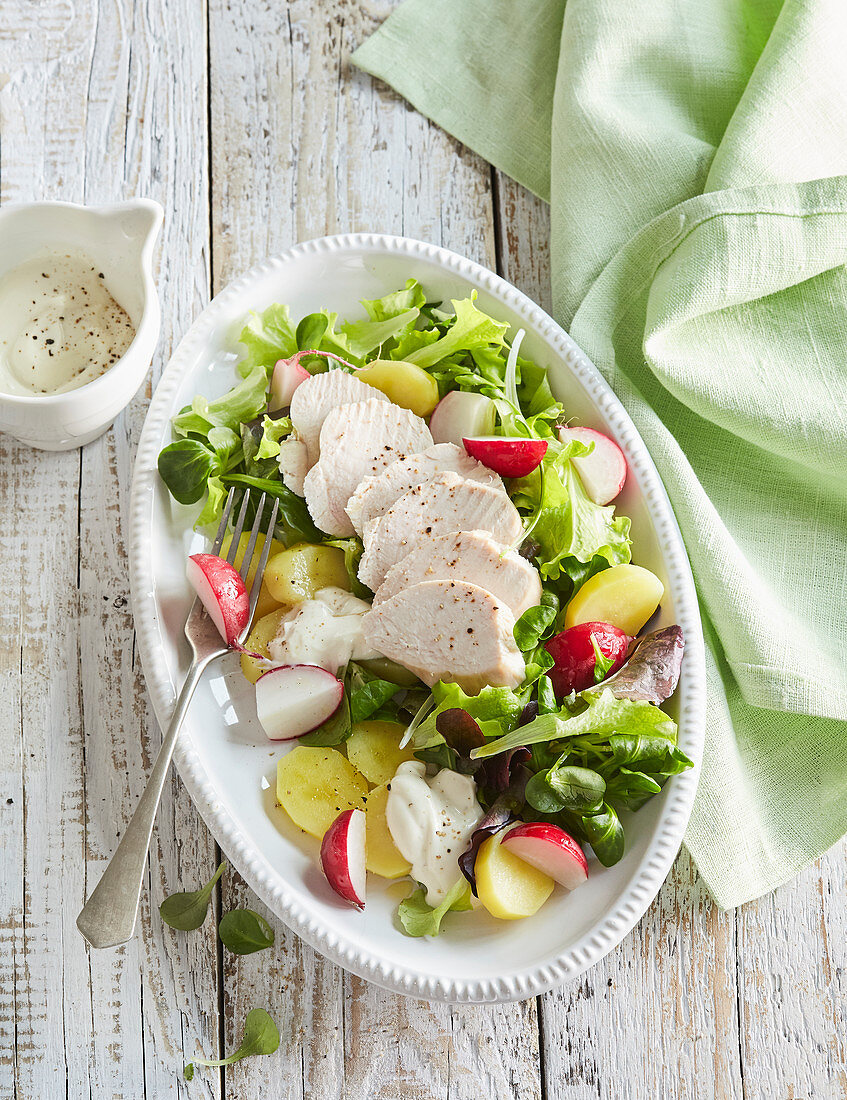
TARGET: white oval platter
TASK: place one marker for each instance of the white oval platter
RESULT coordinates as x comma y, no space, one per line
223,757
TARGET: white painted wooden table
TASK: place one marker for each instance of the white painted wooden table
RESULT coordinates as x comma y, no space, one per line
245,120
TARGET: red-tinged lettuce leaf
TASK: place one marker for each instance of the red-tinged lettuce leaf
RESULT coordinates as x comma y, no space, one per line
506,773
652,671
459,730
501,814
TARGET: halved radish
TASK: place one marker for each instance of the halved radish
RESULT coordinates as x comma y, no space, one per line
287,376
294,699
460,414
603,472
549,849
343,856
221,590
509,457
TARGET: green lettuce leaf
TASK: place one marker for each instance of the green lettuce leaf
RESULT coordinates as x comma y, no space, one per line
239,405
495,709
420,919
268,336
605,715
273,432
576,536
470,329
364,337
399,301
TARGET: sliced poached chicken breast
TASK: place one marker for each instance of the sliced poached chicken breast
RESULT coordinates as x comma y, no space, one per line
448,630
442,506
315,398
293,464
375,495
357,441
473,556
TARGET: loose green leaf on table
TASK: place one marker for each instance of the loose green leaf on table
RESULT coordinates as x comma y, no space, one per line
261,1036
243,931
187,911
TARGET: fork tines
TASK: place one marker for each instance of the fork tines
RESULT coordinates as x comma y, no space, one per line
237,531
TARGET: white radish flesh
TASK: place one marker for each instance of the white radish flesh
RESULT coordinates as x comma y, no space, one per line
549,849
343,856
287,376
462,414
603,472
221,590
294,699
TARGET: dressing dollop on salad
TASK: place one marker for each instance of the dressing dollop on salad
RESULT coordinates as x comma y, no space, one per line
450,624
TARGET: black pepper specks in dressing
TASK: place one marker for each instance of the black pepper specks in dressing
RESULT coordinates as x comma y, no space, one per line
59,325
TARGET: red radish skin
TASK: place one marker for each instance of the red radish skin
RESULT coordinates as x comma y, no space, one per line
221,590
287,376
575,657
343,856
506,456
461,414
295,699
550,849
603,472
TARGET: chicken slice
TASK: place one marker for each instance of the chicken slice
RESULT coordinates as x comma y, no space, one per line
315,398
442,506
376,494
357,441
448,630
293,464
472,556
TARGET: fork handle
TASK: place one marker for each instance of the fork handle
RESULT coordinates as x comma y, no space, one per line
108,917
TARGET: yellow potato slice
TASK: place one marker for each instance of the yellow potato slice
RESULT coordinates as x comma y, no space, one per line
625,596
263,631
266,603
300,571
373,749
506,886
405,384
381,856
315,785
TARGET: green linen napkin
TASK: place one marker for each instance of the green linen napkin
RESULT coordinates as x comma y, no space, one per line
692,152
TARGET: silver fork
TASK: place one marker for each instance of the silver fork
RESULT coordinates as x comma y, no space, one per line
108,917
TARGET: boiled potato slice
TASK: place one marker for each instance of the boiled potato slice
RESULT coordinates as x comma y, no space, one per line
625,596
263,631
373,749
506,886
403,383
300,571
315,785
382,856
266,603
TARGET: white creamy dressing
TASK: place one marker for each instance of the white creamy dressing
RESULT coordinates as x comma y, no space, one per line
59,325
431,821
325,631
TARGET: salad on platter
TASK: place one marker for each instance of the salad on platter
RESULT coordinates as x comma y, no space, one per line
450,624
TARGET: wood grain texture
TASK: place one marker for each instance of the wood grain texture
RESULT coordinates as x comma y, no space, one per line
262,139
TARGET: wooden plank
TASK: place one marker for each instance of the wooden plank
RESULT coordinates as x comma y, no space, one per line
303,145
153,129
793,985
88,97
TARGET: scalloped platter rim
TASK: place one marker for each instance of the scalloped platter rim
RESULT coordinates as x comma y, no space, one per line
227,764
